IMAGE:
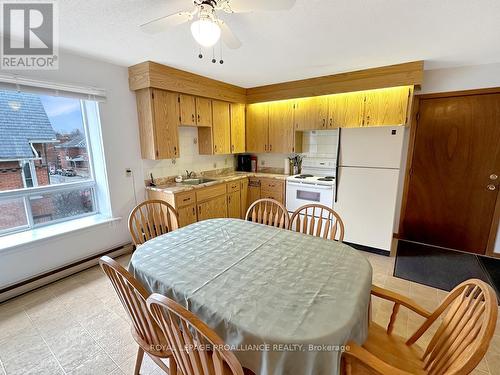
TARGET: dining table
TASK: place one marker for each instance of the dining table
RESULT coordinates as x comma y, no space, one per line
285,303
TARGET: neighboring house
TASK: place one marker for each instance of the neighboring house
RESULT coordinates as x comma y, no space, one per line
25,131
73,155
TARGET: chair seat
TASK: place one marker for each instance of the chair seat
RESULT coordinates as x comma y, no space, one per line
393,350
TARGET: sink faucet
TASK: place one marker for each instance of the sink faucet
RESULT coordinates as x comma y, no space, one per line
190,174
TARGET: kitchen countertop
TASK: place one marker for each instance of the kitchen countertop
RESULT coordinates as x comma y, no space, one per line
175,187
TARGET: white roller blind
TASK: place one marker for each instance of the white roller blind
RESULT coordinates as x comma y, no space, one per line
22,84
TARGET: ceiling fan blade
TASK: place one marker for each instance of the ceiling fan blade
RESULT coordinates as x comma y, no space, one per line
228,36
164,23
242,6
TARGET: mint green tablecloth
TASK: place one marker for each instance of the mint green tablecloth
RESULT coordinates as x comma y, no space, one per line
264,288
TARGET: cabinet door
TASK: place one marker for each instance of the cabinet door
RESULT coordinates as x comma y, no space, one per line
281,127
253,191
187,105
244,197
346,110
187,215
234,205
166,123
257,127
213,208
386,106
221,127
203,112
237,128
311,113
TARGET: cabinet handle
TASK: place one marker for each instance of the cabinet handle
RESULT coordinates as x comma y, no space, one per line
270,147
192,116
215,148
228,199
198,117
186,199
199,210
265,147
194,212
331,122
324,122
232,148
175,150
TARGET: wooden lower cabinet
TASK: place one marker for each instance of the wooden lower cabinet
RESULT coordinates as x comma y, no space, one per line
234,205
212,208
187,215
243,197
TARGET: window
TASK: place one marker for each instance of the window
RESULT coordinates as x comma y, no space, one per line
46,164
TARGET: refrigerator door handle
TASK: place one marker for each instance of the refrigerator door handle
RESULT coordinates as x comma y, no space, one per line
337,169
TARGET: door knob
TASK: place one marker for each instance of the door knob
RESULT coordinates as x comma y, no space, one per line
493,177
491,187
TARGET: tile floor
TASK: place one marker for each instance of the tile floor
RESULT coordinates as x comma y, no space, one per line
77,326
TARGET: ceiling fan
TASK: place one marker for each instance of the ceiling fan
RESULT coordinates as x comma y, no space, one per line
206,27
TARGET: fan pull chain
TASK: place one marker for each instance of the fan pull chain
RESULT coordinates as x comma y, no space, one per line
200,55
214,60
221,61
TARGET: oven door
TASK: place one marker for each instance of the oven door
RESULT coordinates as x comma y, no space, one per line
298,194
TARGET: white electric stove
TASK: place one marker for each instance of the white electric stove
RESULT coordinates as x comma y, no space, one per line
316,184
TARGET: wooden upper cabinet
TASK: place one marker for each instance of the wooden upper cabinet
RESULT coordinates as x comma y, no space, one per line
221,127
311,113
386,106
203,111
166,119
257,123
346,110
187,105
158,114
237,128
281,129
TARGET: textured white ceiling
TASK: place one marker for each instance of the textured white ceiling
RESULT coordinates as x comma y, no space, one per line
316,37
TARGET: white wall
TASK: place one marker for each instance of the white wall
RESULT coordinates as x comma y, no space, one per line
189,158
121,146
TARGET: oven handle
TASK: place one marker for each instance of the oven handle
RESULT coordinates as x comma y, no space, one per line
311,186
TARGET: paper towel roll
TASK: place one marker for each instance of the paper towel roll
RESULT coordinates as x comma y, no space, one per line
287,166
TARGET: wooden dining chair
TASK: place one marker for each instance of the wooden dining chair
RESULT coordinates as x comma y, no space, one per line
269,212
469,315
150,219
145,330
197,349
318,220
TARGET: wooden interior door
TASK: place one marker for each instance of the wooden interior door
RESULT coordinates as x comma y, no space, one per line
166,122
257,123
386,106
187,105
311,113
221,127
452,187
281,127
237,128
203,112
346,110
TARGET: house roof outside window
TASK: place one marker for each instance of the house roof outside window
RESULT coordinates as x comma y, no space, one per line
23,121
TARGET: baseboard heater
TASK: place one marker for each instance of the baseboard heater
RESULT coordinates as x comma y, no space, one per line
25,286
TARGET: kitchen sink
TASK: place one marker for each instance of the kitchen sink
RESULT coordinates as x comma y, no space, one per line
196,181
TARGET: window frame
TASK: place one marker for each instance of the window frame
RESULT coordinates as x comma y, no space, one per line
25,193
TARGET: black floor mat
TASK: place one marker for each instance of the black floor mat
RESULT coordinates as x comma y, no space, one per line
443,268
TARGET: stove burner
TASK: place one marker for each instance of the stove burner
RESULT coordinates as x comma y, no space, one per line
325,179
304,176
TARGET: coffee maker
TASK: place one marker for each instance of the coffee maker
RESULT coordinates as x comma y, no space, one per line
244,163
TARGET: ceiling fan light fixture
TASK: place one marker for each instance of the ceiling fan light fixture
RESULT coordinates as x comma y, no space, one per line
206,32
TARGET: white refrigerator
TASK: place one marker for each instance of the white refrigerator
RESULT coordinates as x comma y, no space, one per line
367,183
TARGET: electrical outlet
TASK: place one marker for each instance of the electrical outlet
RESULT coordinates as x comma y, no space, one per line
195,141
262,162
128,172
